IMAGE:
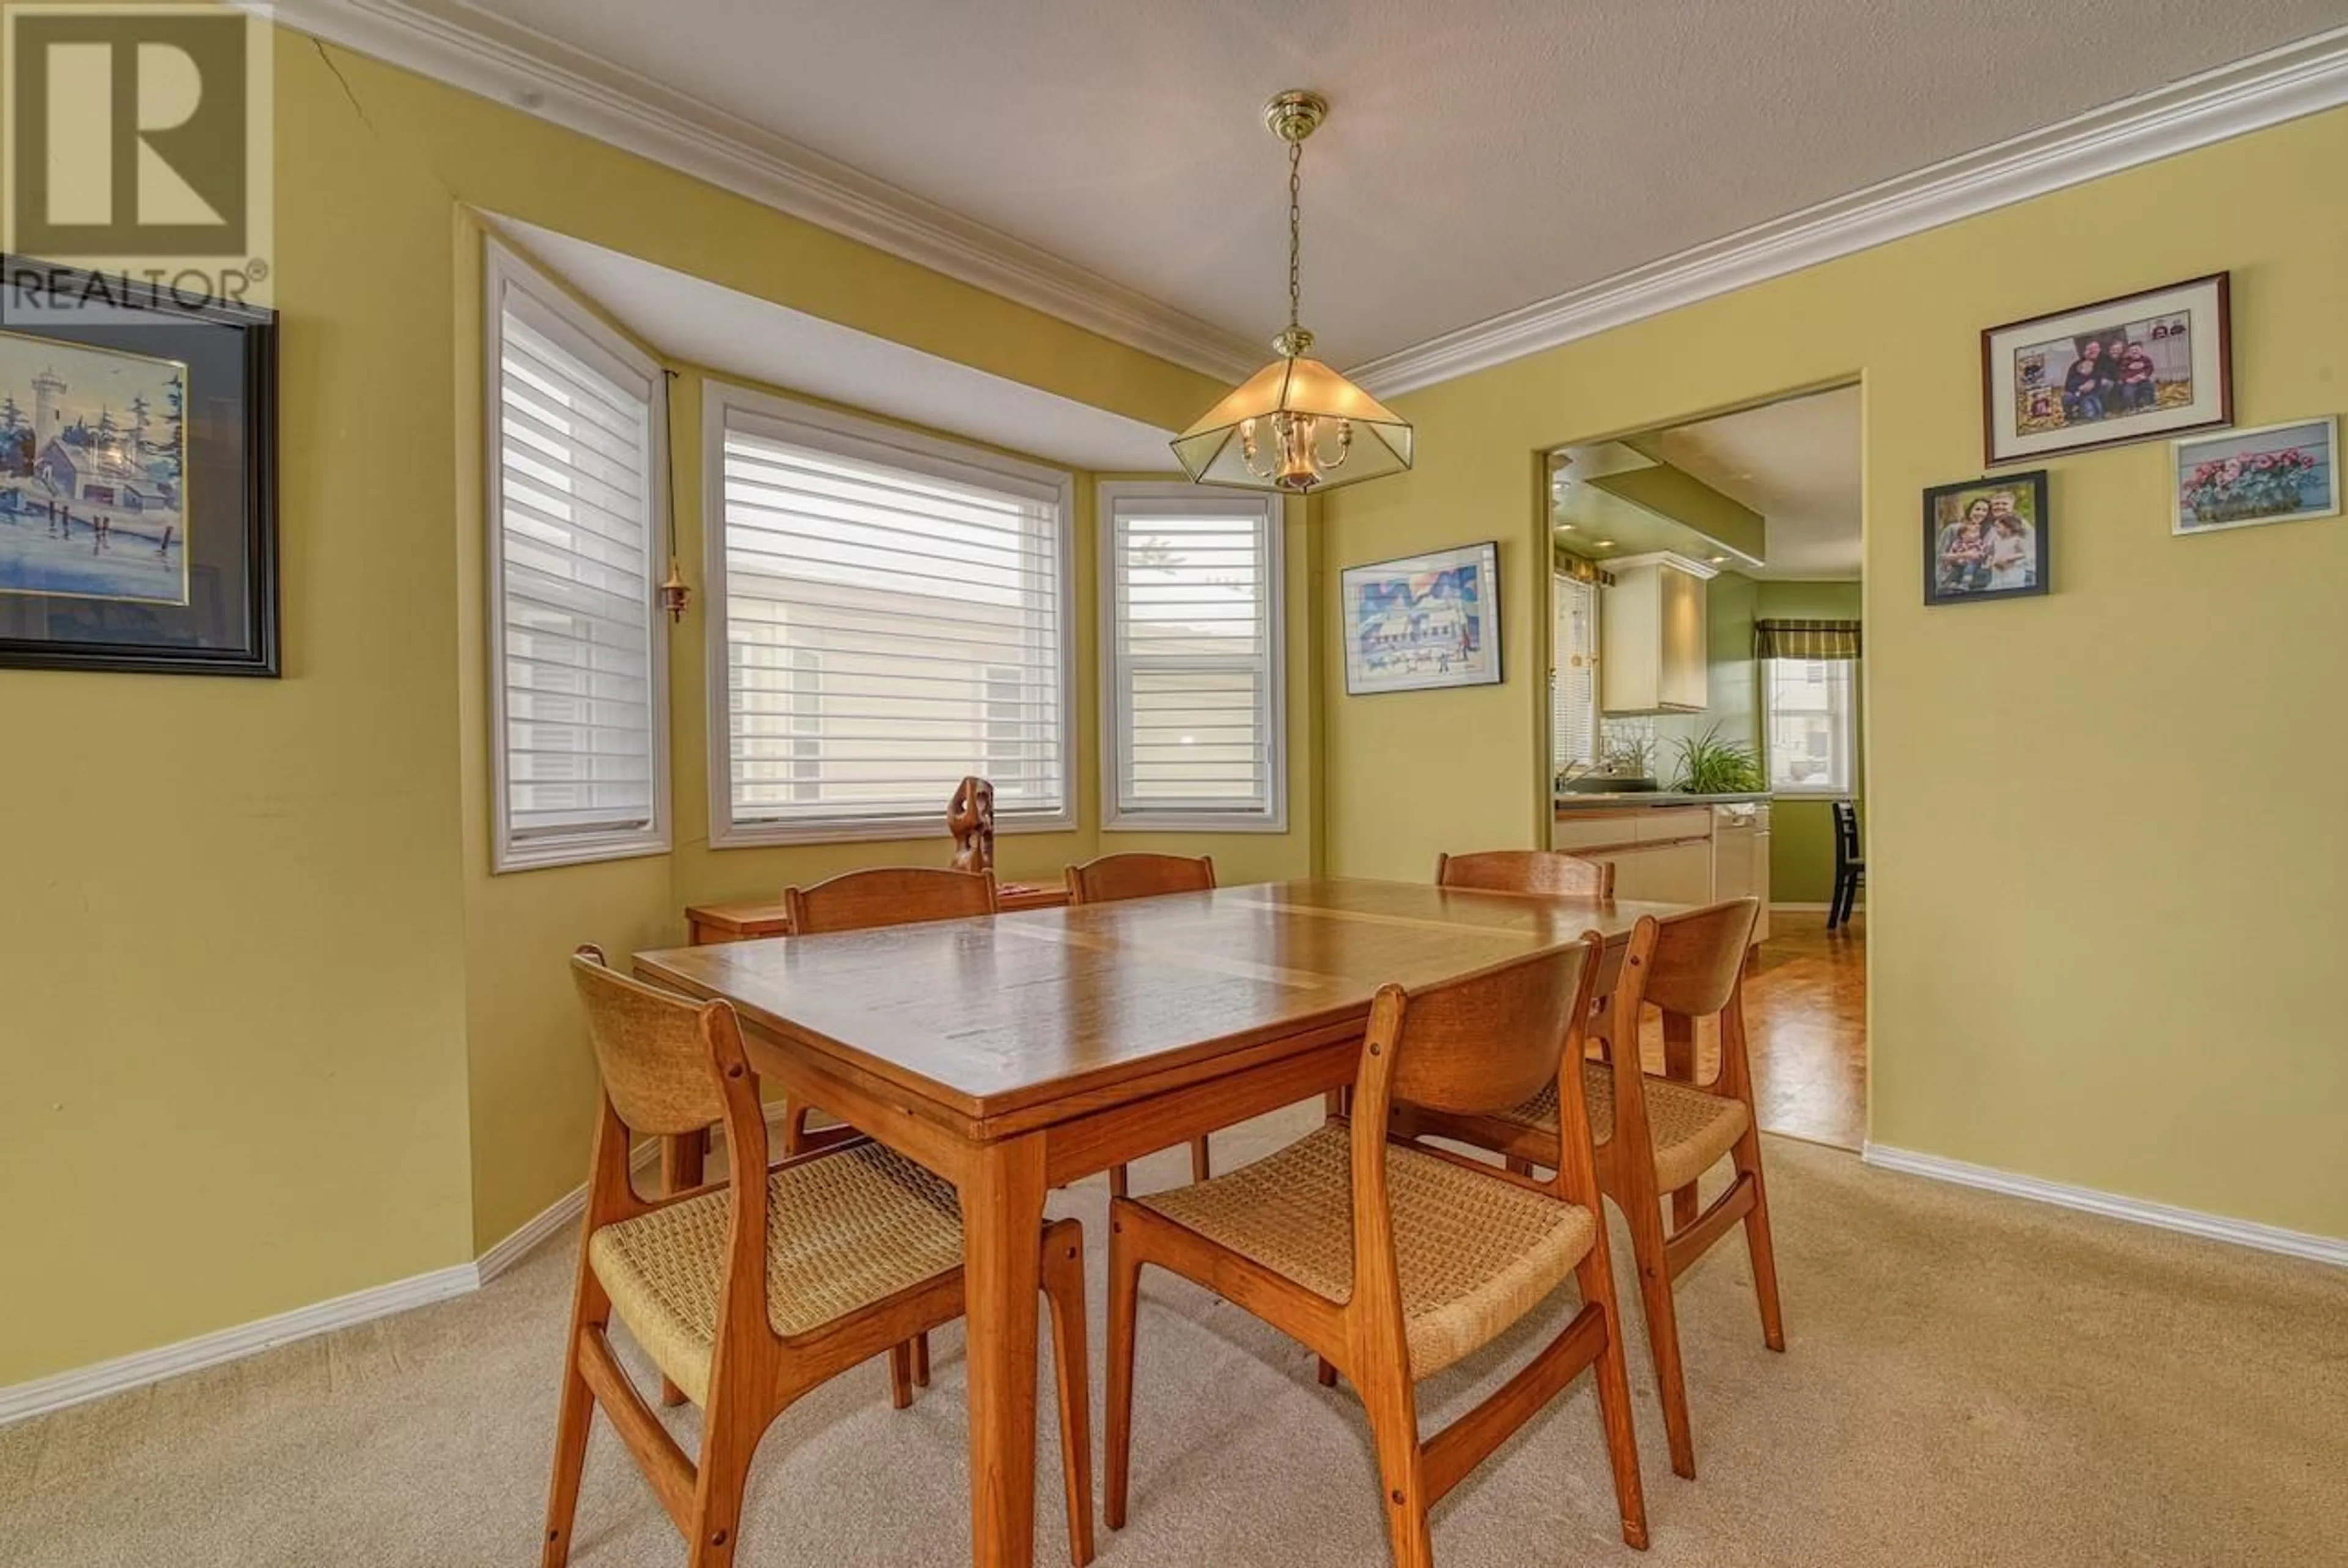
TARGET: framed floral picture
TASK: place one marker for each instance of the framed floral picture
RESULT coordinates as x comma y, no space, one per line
2122,370
1987,538
2274,473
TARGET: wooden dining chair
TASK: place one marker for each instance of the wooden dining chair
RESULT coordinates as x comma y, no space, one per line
1850,865
1392,1260
748,1295
861,901
1112,878
1655,1136
1545,871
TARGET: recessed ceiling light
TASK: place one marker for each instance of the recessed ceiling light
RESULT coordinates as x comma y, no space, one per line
1565,527
1603,544
1720,560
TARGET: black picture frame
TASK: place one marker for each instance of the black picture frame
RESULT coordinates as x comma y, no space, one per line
1946,509
227,619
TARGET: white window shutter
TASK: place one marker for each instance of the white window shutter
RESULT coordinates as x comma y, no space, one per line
895,617
1193,623
576,470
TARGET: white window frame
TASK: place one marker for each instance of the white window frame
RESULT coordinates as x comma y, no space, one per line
1115,818
726,405
508,280
1845,734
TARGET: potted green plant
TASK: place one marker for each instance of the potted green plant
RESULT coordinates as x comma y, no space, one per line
1710,766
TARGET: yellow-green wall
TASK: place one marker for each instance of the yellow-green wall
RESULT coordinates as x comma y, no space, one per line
2101,928
273,1033
1801,832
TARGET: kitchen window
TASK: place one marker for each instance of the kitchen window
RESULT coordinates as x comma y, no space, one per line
1811,738
889,614
575,467
1193,734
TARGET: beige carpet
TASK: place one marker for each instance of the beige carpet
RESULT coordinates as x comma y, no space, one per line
1972,1380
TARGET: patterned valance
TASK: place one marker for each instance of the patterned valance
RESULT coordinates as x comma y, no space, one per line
1806,639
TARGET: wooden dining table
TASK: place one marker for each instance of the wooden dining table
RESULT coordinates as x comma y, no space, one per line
1013,1053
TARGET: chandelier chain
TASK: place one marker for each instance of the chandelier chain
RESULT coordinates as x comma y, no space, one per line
1296,225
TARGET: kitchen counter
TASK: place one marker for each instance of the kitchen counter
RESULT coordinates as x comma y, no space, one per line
1620,799
1668,846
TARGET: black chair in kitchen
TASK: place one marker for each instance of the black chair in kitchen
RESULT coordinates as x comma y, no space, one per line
1850,869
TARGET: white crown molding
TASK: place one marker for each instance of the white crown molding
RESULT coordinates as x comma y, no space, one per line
453,43
2161,1217
2302,78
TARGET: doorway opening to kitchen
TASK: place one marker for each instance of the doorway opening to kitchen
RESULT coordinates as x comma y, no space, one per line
1705,718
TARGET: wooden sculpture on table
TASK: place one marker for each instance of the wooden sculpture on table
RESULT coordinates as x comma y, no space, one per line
970,817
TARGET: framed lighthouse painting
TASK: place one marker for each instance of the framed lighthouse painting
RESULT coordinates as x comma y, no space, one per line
138,506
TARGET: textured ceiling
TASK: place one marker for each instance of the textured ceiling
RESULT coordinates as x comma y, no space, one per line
1797,463
1481,155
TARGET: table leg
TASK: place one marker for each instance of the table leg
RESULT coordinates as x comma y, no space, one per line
1002,1217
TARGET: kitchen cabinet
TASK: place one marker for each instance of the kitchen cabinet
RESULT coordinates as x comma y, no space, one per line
1675,851
1677,872
1652,640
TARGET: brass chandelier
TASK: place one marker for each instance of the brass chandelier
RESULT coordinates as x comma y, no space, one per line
1295,426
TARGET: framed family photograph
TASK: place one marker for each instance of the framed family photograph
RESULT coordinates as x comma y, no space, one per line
1987,538
2274,473
137,486
1424,621
2144,364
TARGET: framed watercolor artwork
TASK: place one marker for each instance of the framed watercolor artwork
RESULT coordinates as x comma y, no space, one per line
138,491
2147,364
1424,621
2274,473
1987,538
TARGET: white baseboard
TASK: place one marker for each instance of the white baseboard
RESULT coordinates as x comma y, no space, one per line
2161,1217
84,1383
55,1392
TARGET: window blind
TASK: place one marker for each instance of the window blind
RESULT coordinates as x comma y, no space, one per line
1574,684
579,710
893,621
1194,629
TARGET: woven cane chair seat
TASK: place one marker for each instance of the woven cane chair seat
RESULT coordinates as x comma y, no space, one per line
1692,1130
843,1231
1475,1253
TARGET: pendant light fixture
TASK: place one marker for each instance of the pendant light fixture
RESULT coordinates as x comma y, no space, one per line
1295,426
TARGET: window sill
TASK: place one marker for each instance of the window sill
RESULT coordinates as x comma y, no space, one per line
1192,821
873,830
547,854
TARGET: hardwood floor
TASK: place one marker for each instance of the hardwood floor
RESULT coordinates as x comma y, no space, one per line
1806,1025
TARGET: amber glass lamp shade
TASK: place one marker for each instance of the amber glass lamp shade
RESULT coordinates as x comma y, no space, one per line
1294,426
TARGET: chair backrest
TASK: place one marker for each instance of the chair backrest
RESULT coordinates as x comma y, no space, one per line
1846,830
649,1048
1699,955
1488,1041
888,895
1544,871
1137,876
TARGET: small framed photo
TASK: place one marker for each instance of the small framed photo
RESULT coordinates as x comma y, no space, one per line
2147,364
1987,538
2274,473
1424,621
